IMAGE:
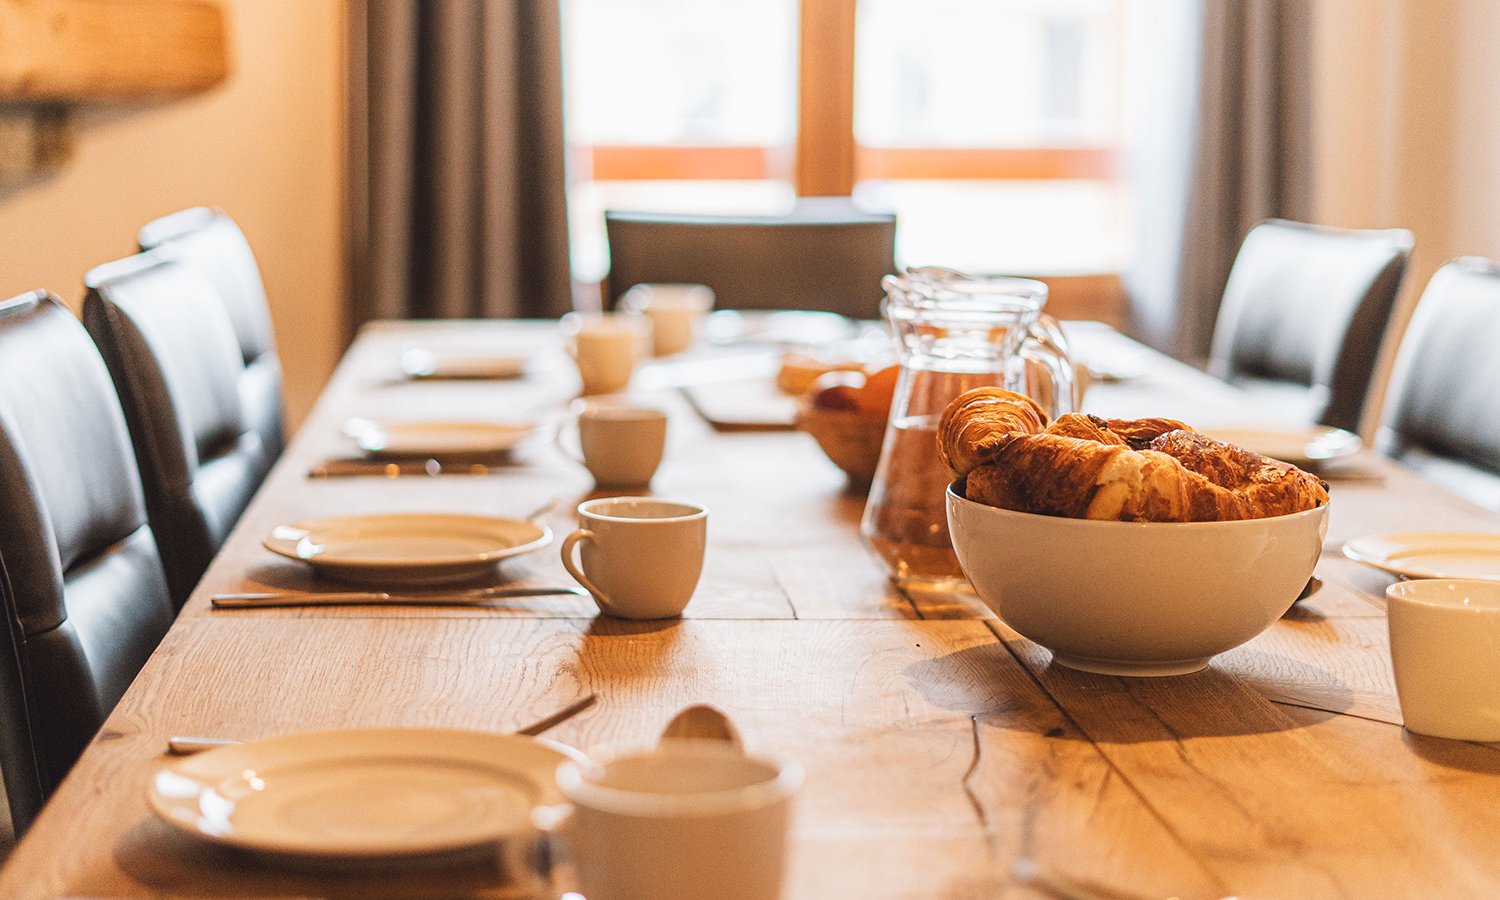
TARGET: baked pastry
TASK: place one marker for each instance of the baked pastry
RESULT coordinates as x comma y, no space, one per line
981,421
1144,470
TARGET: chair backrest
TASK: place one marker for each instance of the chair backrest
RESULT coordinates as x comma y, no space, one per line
171,349
209,241
1309,305
823,255
1442,410
85,594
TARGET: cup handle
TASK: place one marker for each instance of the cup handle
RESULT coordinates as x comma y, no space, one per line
1046,346
562,444
569,542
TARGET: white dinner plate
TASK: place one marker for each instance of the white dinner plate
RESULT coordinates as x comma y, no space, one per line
420,362
362,793
409,549
1430,554
1310,446
437,439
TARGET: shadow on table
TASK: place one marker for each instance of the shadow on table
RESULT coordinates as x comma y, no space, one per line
1006,686
612,651
155,855
1467,756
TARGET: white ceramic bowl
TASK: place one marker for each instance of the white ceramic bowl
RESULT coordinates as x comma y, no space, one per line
1135,598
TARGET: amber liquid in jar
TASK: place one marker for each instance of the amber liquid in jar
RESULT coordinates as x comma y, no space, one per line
907,520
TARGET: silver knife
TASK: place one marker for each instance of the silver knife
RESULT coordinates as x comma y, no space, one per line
381,598
187,746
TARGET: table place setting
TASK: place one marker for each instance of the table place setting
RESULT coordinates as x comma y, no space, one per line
424,364
406,549
1027,580
1430,554
552,817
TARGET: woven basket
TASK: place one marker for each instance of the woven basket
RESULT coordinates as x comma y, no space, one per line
851,439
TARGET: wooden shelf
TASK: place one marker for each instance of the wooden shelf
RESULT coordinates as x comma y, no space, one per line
63,51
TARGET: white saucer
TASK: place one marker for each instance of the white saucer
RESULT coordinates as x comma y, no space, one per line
420,362
407,439
1309,446
411,549
362,793
1430,554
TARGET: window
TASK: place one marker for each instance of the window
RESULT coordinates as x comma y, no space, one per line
989,126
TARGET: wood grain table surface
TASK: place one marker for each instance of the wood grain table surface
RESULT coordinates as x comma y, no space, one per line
941,747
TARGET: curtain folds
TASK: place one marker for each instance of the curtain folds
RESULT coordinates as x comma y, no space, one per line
458,204
1221,131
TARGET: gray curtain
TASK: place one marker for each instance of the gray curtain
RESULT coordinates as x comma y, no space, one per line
458,205
1221,141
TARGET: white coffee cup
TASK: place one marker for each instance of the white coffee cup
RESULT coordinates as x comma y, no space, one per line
641,557
606,347
1445,650
676,312
621,444
684,821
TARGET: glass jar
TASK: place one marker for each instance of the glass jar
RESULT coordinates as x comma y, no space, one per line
954,332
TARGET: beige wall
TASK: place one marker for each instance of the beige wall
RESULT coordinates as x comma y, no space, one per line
267,146
1408,128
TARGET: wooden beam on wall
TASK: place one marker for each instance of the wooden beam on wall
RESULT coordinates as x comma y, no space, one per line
87,50
825,118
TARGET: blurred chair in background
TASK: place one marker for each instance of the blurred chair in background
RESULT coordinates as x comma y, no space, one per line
211,243
1442,410
172,350
85,597
1304,313
823,255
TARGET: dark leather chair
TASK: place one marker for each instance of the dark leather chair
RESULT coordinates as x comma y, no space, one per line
85,596
1304,313
824,255
172,350
209,241
1442,410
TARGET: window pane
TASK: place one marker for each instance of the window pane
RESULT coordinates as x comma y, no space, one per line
683,73
1017,227
981,73
680,71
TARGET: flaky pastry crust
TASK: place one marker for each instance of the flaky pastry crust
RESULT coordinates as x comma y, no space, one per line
1143,470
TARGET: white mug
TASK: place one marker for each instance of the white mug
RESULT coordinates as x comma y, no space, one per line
641,557
606,347
1445,650
619,443
688,820
676,312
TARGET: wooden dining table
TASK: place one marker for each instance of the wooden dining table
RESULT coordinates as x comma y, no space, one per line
945,755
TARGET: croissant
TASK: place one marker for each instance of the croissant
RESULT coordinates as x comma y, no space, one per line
1144,470
981,421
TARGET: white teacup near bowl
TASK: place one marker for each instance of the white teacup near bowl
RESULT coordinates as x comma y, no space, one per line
607,347
619,442
676,312
641,557
1134,598
1445,650
688,819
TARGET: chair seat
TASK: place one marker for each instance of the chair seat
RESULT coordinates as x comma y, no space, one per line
1309,305
1442,413
824,254
85,594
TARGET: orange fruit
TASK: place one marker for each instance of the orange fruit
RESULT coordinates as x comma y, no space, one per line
837,390
875,398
